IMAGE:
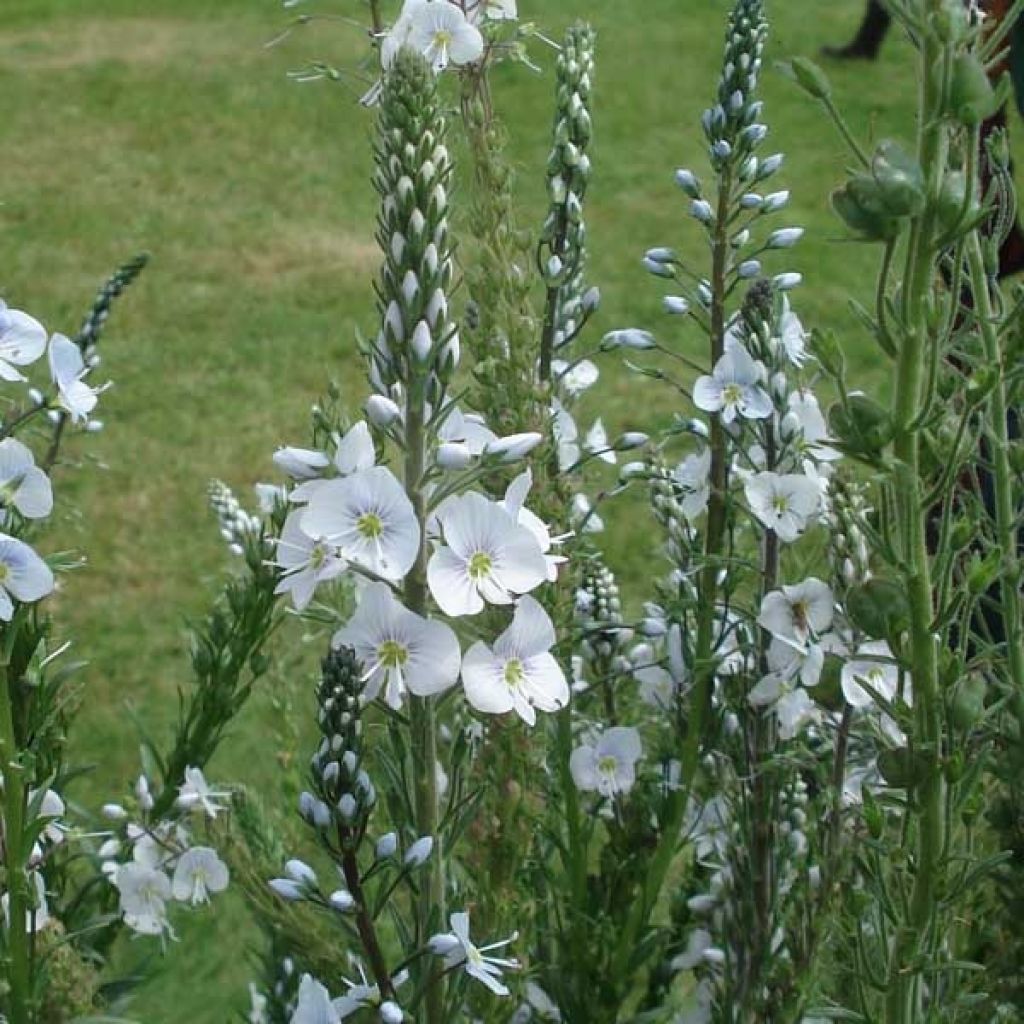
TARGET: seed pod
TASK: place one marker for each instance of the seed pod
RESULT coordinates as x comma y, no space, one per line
971,96
967,706
900,180
879,608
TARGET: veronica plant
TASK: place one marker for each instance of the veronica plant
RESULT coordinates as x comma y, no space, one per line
431,553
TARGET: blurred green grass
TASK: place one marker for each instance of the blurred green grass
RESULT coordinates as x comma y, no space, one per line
167,125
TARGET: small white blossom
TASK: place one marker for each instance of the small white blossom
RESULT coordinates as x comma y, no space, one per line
399,649
609,765
67,367
438,30
144,892
198,873
24,576
797,614
486,557
306,563
368,517
23,485
785,503
733,388
195,794
22,341
519,673
457,948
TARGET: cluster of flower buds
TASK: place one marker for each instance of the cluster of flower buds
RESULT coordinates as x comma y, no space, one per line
846,514
562,253
731,126
417,342
599,610
344,795
236,525
95,320
670,502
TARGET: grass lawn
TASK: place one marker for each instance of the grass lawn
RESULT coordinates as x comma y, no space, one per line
167,125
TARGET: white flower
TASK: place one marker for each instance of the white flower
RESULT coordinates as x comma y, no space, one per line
871,671
785,503
813,428
400,650
566,435
143,891
609,765
487,557
52,807
37,916
195,794
657,687
301,463
495,10
364,994
67,367
596,442
369,518
792,334
519,673
355,450
23,485
314,1005
466,428
796,614
306,562
693,476
438,30
733,388
22,341
514,504
457,948
199,872
24,576
257,1005
575,378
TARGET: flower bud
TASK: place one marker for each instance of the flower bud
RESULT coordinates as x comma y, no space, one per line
631,439
631,338
454,455
676,305
386,846
811,78
688,182
787,282
381,411
701,210
288,890
342,901
114,812
513,447
419,853
299,871
784,238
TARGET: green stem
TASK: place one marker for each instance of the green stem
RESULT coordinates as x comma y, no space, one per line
1002,474
424,730
703,661
14,860
903,992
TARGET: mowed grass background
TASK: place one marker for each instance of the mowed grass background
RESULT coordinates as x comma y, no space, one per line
167,125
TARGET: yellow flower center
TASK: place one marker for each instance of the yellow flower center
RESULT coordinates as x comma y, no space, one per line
606,765
392,654
480,565
514,674
370,526
442,38
732,393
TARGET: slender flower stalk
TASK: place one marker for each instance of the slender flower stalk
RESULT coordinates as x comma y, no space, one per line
412,177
